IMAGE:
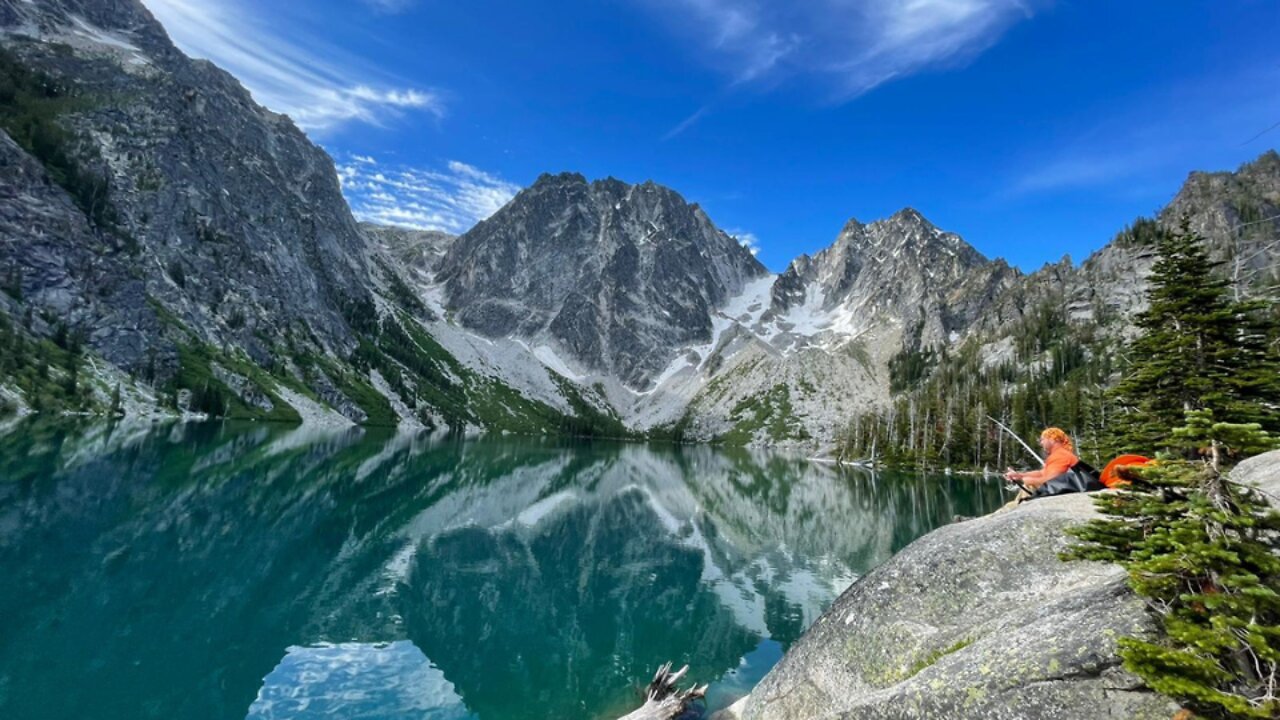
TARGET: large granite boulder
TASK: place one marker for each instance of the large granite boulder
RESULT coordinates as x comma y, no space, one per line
980,619
1263,472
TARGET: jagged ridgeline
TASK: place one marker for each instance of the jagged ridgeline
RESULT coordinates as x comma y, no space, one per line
1055,348
166,243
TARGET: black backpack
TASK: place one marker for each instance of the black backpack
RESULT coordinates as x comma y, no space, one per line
1081,477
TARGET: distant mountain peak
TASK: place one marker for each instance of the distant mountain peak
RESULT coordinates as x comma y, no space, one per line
907,235
910,214
615,276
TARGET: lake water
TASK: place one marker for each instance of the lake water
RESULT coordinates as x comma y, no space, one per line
255,571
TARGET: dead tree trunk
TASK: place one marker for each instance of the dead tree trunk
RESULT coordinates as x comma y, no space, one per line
663,700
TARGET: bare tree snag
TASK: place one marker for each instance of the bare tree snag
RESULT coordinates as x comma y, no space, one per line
663,701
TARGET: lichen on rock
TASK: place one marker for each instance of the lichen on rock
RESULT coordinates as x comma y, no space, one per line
979,619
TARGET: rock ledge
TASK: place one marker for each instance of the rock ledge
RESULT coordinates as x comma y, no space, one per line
979,619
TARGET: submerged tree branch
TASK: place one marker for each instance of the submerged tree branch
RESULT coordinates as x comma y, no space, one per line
663,700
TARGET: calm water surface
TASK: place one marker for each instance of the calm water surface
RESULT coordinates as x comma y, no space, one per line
223,571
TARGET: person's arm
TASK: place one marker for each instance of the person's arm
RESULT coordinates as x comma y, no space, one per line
1054,465
1033,479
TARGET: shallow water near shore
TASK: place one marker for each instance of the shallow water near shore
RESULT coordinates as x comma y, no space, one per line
259,571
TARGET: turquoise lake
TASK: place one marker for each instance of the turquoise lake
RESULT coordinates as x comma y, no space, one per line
258,571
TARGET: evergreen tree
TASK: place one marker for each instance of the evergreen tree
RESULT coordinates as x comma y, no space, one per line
1205,554
1197,350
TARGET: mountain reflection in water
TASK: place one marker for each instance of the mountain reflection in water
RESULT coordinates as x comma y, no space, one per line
233,571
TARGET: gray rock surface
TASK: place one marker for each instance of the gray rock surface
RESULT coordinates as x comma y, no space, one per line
1263,472
1238,215
410,250
227,217
903,270
979,619
618,276
68,270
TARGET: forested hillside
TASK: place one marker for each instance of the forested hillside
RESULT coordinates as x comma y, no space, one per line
1061,361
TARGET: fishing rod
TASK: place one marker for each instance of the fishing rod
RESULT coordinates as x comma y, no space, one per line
1021,442
1014,435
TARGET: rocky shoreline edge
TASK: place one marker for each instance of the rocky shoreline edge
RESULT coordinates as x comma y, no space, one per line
979,619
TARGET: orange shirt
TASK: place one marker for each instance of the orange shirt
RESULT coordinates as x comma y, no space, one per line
1059,461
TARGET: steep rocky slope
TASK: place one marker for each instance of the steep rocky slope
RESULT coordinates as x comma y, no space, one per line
615,276
824,334
196,248
411,252
902,271
1237,213
1048,348
226,214
719,349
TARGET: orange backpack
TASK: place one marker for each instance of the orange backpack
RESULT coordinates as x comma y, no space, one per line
1111,479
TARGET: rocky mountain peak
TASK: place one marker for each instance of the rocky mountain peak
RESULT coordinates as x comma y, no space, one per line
648,270
904,236
1237,212
910,215
901,269
557,180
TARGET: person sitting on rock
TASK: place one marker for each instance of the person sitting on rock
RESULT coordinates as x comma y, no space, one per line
1063,472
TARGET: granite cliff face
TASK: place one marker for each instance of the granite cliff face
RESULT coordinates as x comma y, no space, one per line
223,215
799,353
1236,213
616,276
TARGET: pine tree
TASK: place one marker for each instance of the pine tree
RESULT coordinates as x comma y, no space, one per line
1205,554
1197,350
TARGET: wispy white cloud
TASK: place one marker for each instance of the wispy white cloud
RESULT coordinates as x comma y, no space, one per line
1087,169
452,198
855,45
748,240
739,29
390,7
315,85
1145,139
903,37
687,122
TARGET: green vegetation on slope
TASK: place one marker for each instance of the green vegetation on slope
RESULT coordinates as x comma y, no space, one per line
354,385
771,412
48,372
439,388
1053,373
30,104
212,396
1057,372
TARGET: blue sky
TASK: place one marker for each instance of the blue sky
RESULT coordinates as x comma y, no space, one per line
1032,128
